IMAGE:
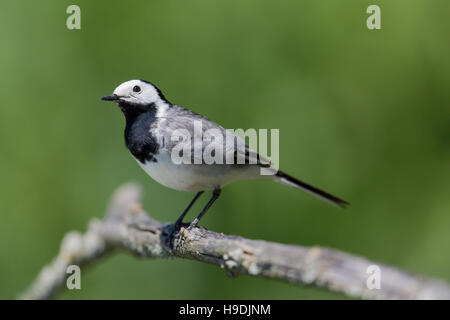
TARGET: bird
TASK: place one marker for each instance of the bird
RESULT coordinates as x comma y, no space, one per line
151,121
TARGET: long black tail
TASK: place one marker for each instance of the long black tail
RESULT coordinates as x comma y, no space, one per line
293,182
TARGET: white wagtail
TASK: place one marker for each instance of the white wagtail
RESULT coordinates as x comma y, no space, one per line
151,121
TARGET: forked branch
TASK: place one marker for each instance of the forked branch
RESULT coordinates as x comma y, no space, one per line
127,226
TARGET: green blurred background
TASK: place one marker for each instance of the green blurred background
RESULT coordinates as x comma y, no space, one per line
363,114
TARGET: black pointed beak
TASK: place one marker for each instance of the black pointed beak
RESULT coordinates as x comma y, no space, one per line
111,97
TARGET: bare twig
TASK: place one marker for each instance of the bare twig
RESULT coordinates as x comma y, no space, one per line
128,227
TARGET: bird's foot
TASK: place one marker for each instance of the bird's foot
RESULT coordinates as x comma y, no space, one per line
172,231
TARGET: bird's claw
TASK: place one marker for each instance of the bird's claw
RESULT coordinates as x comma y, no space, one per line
172,231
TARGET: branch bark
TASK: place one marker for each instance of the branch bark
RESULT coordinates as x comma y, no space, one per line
127,226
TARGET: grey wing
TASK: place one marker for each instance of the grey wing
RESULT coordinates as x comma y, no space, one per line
216,143
243,154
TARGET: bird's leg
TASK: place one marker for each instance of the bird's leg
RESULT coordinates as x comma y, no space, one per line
180,218
172,229
215,195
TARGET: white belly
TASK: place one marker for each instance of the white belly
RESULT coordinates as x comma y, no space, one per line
192,178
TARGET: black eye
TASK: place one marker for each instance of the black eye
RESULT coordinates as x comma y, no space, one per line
136,89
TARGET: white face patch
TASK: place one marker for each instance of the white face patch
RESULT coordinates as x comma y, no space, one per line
137,91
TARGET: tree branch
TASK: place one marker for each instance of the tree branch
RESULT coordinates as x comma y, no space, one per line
128,227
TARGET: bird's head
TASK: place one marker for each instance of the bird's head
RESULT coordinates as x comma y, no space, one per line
136,95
